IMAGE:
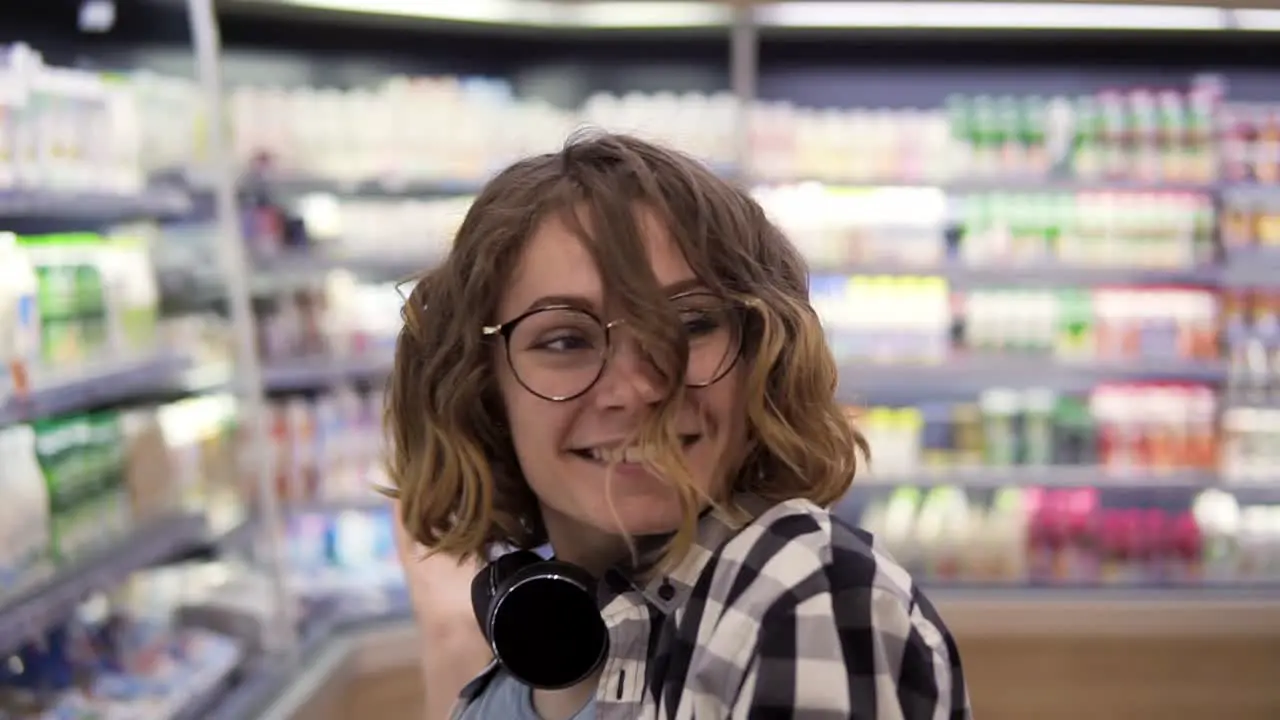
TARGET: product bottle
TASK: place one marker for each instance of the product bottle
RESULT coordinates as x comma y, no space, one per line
1218,516
24,514
19,319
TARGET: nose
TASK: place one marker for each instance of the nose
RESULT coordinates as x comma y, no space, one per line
630,380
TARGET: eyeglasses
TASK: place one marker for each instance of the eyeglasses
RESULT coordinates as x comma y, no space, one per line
558,352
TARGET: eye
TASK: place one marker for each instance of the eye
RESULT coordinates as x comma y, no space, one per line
700,322
563,341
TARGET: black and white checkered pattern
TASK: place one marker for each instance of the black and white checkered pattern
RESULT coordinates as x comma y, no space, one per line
795,615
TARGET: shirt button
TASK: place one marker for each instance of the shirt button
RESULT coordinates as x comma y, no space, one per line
666,591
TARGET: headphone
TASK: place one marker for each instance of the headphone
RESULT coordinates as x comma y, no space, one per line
541,619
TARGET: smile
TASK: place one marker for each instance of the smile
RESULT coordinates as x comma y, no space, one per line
630,455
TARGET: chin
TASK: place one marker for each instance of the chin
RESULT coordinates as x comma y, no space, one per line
638,514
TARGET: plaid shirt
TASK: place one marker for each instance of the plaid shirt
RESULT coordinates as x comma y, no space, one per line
796,615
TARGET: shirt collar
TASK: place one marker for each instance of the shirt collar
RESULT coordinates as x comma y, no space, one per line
670,590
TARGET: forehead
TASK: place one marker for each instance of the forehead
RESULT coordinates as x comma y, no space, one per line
554,261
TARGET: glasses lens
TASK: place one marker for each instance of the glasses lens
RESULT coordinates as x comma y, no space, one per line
714,329
557,353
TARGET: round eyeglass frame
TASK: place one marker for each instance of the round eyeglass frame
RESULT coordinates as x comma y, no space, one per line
505,330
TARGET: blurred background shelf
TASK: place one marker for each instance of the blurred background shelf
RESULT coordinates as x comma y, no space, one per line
312,373
92,207
110,382
971,375
24,616
1062,476
961,276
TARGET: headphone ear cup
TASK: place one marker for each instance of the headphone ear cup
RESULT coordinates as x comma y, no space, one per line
487,583
546,626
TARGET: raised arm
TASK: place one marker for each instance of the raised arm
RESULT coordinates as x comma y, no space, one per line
452,649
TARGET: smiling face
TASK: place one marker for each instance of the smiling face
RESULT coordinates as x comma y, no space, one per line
574,454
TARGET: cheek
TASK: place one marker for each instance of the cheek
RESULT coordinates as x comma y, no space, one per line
523,414
725,402
537,430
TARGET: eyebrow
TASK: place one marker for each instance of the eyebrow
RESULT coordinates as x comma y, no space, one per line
583,303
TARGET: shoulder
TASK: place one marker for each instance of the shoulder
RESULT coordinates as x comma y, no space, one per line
795,547
810,617
798,564
494,694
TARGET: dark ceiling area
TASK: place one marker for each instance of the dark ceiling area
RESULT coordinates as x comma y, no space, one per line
277,47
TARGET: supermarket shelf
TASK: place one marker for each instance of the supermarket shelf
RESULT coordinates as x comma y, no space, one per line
962,276
1117,612
339,654
373,501
313,373
259,686
1108,594
203,378
388,187
1260,272
966,376
108,382
262,690
1067,184
1249,192
51,601
204,702
1063,476
93,206
374,188
303,267
970,185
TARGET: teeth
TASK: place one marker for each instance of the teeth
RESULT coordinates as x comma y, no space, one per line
630,454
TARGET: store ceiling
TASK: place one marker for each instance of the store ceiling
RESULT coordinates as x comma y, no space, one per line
1232,4
779,15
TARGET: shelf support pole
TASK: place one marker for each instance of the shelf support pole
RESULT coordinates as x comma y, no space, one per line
744,72
280,638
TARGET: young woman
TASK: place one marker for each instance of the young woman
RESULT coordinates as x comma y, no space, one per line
619,358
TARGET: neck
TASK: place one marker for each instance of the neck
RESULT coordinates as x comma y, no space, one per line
587,547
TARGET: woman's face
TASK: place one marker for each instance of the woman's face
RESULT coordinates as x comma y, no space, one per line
559,444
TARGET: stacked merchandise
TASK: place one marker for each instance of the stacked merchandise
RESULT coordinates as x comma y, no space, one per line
1117,434
95,297
917,319
464,129
70,300
411,233
121,656
1142,135
327,449
79,487
1077,537
1251,340
337,318
345,561
904,228
1250,226
82,483
67,131
1251,143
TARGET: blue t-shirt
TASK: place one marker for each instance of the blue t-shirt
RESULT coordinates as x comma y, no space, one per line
506,698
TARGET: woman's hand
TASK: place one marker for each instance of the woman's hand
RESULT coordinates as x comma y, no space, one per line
453,649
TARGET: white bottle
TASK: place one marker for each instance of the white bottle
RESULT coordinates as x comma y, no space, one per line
24,514
19,318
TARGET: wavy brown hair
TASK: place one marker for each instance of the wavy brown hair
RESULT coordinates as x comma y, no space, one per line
451,458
